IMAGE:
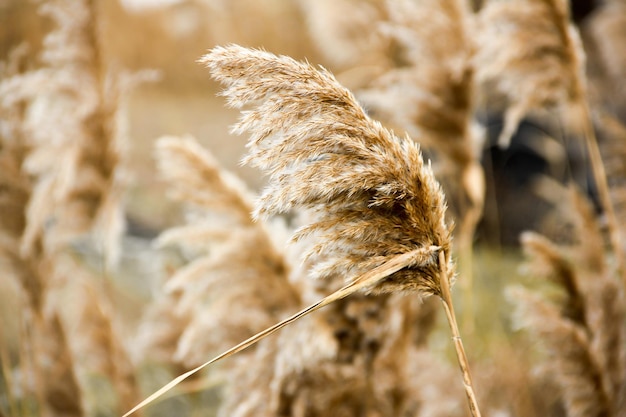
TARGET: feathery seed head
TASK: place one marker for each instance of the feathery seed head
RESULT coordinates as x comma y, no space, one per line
370,192
231,260
430,94
533,55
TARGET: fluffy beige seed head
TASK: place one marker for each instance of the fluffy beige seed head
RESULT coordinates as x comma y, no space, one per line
232,261
370,192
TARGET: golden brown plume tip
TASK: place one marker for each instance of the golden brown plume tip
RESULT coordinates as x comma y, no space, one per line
370,192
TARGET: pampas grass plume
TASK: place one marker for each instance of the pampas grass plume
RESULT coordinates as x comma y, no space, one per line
377,212
372,195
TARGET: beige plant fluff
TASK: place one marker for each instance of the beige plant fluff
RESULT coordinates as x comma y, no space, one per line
228,289
529,52
73,135
583,329
370,194
16,189
323,363
50,360
103,365
234,282
375,216
342,32
58,142
430,93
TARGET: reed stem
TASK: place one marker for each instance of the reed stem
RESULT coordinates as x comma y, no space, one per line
446,298
600,179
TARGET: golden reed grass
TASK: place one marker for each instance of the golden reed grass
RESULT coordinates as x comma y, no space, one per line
532,54
430,92
344,33
60,141
583,329
44,350
328,362
377,212
232,262
81,196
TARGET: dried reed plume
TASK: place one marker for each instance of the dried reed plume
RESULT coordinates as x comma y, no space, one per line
231,261
583,330
373,200
66,184
531,53
72,127
356,357
52,362
16,186
378,214
103,364
370,192
316,365
431,95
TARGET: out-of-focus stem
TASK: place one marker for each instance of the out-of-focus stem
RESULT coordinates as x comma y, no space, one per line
465,250
600,179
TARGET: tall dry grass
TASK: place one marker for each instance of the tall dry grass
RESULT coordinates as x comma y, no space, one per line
430,93
350,209
63,182
377,215
317,362
230,261
583,328
48,351
533,55
370,196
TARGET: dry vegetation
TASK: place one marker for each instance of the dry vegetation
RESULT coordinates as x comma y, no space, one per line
132,252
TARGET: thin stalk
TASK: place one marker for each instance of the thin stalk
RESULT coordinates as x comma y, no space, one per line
446,299
599,175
